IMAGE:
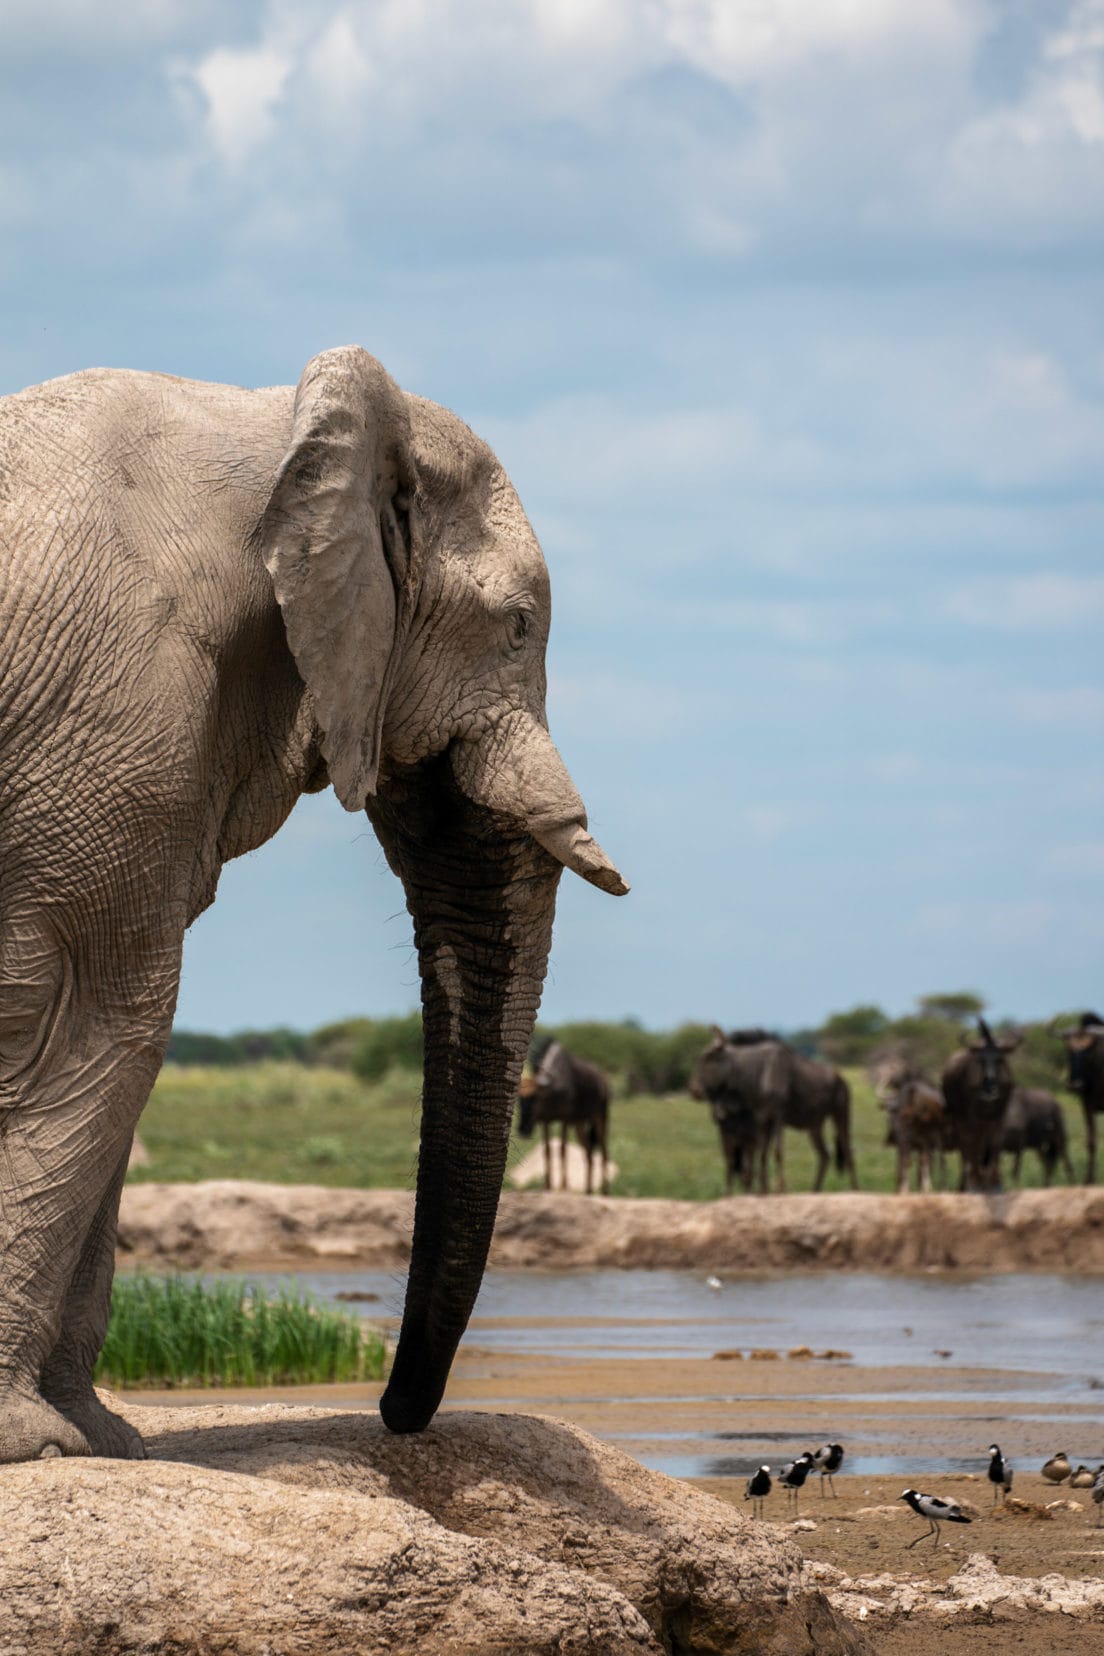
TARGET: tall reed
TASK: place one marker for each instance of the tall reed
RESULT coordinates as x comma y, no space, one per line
183,1331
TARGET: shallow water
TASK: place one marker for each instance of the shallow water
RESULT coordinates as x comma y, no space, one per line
1036,1324
1023,1364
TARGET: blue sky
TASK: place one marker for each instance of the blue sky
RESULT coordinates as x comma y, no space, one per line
786,318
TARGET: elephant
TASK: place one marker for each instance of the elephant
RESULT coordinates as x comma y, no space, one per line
214,600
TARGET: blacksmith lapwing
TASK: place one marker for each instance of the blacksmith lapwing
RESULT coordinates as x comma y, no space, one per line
756,1490
828,1459
936,1510
1000,1473
793,1475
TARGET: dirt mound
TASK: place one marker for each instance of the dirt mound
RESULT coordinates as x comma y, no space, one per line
235,1224
306,1530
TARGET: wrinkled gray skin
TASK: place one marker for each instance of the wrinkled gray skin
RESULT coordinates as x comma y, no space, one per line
211,601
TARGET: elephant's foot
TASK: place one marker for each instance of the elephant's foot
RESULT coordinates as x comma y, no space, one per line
31,1430
106,1433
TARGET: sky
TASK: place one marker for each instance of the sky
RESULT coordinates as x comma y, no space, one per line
786,318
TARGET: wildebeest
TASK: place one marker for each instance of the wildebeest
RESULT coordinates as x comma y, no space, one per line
977,1084
1085,1047
1034,1121
916,1125
575,1093
746,1094
746,1085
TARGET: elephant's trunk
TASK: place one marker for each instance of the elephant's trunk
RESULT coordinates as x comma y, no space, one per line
516,769
482,895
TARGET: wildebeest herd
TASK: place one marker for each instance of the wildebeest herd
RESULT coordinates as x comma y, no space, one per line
756,1086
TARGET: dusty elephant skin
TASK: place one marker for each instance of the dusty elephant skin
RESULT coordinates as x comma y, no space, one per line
212,601
304,1530
234,1224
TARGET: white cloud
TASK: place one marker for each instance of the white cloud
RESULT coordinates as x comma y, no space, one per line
1082,860
1076,708
1030,602
241,88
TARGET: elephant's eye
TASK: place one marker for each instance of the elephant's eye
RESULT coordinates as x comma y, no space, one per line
517,626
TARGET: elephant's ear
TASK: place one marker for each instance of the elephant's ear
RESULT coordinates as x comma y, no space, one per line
335,539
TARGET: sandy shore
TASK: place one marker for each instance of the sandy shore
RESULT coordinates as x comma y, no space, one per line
654,1407
234,1224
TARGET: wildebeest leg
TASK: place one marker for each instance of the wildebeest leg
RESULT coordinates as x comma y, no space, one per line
563,1155
547,1130
1090,1140
816,1135
923,1158
1017,1162
585,1136
1048,1157
602,1130
903,1158
779,1164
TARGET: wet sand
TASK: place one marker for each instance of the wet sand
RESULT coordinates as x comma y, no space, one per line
686,1411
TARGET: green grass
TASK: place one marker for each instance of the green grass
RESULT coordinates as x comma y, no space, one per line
291,1124
180,1331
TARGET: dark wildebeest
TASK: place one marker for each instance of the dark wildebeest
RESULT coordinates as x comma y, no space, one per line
977,1084
575,1093
746,1085
819,1093
1085,1046
816,1094
916,1125
1034,1121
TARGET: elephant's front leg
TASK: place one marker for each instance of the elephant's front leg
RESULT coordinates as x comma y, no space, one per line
67,1373
64,1138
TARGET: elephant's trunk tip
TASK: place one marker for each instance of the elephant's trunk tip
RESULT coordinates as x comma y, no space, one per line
571,845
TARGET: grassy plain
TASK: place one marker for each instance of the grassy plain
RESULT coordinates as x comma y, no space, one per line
297,1125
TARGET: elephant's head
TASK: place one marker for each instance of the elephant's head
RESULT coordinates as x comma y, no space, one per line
416,604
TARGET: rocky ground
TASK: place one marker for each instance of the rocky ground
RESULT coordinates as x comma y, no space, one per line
284,1531
234,1224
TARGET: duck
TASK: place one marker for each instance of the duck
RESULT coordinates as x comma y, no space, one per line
1057,1468
1082,1478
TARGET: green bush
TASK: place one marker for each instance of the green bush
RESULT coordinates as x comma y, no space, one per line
391,1043
181,1331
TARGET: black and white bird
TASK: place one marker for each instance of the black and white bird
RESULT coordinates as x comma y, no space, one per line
828,1459
1000,1473
1098,1494
936,1510
756,1490
793,1475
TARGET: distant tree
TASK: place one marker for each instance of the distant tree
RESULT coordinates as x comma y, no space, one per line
850,1037
958,1007
390,1043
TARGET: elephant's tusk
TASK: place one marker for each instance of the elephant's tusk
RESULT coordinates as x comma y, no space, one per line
576,849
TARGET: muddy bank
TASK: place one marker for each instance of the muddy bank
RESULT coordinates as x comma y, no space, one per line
235,1224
